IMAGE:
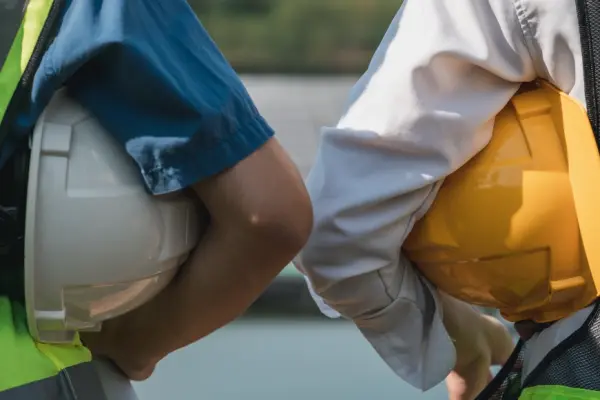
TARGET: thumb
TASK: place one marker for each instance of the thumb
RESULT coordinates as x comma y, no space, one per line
467,383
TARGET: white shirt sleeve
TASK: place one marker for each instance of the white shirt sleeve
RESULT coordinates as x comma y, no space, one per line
425,106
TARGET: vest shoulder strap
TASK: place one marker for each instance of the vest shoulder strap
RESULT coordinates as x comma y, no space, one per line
27,28
588,13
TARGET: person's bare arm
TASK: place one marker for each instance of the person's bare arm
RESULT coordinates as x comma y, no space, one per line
260,218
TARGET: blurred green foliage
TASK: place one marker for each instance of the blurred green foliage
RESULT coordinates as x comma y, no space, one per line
297,36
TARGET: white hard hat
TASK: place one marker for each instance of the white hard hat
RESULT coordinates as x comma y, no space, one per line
97,245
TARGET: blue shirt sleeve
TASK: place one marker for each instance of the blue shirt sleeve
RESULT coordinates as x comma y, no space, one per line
155,80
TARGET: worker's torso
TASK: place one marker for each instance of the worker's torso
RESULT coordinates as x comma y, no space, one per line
551,32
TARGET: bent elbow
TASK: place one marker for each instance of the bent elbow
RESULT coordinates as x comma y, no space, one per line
262,204
299,227
273,224
284,228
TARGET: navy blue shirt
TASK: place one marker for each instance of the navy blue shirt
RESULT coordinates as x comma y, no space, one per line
154,78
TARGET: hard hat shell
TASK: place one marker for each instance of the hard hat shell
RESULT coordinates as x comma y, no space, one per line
96,243
517,227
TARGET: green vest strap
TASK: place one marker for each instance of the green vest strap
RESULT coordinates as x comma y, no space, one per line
11,15
78,382
24,25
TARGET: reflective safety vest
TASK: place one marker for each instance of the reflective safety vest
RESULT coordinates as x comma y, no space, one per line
26,30
30,370
570,371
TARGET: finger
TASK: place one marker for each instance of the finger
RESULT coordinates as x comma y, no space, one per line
467,382
456,386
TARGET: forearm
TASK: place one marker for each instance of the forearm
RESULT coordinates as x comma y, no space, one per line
260,219
400,316
226,273
457,314
471,330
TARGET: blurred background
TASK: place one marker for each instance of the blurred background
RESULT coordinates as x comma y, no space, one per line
299,59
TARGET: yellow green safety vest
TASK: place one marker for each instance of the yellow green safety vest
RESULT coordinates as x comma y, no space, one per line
37,371
30,370
570,371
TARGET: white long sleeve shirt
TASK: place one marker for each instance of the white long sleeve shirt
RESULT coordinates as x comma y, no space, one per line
425,106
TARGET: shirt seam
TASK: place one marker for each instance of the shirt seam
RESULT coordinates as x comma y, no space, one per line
411,220
527,32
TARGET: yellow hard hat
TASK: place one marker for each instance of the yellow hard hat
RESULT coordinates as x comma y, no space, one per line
517,227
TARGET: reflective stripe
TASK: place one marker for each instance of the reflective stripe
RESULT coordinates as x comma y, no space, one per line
79,382
30,16
554,393
11,15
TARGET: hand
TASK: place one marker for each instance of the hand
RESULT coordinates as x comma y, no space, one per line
110,343
480,341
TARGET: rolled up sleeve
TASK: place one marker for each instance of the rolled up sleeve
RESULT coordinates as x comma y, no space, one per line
155,79
425,106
